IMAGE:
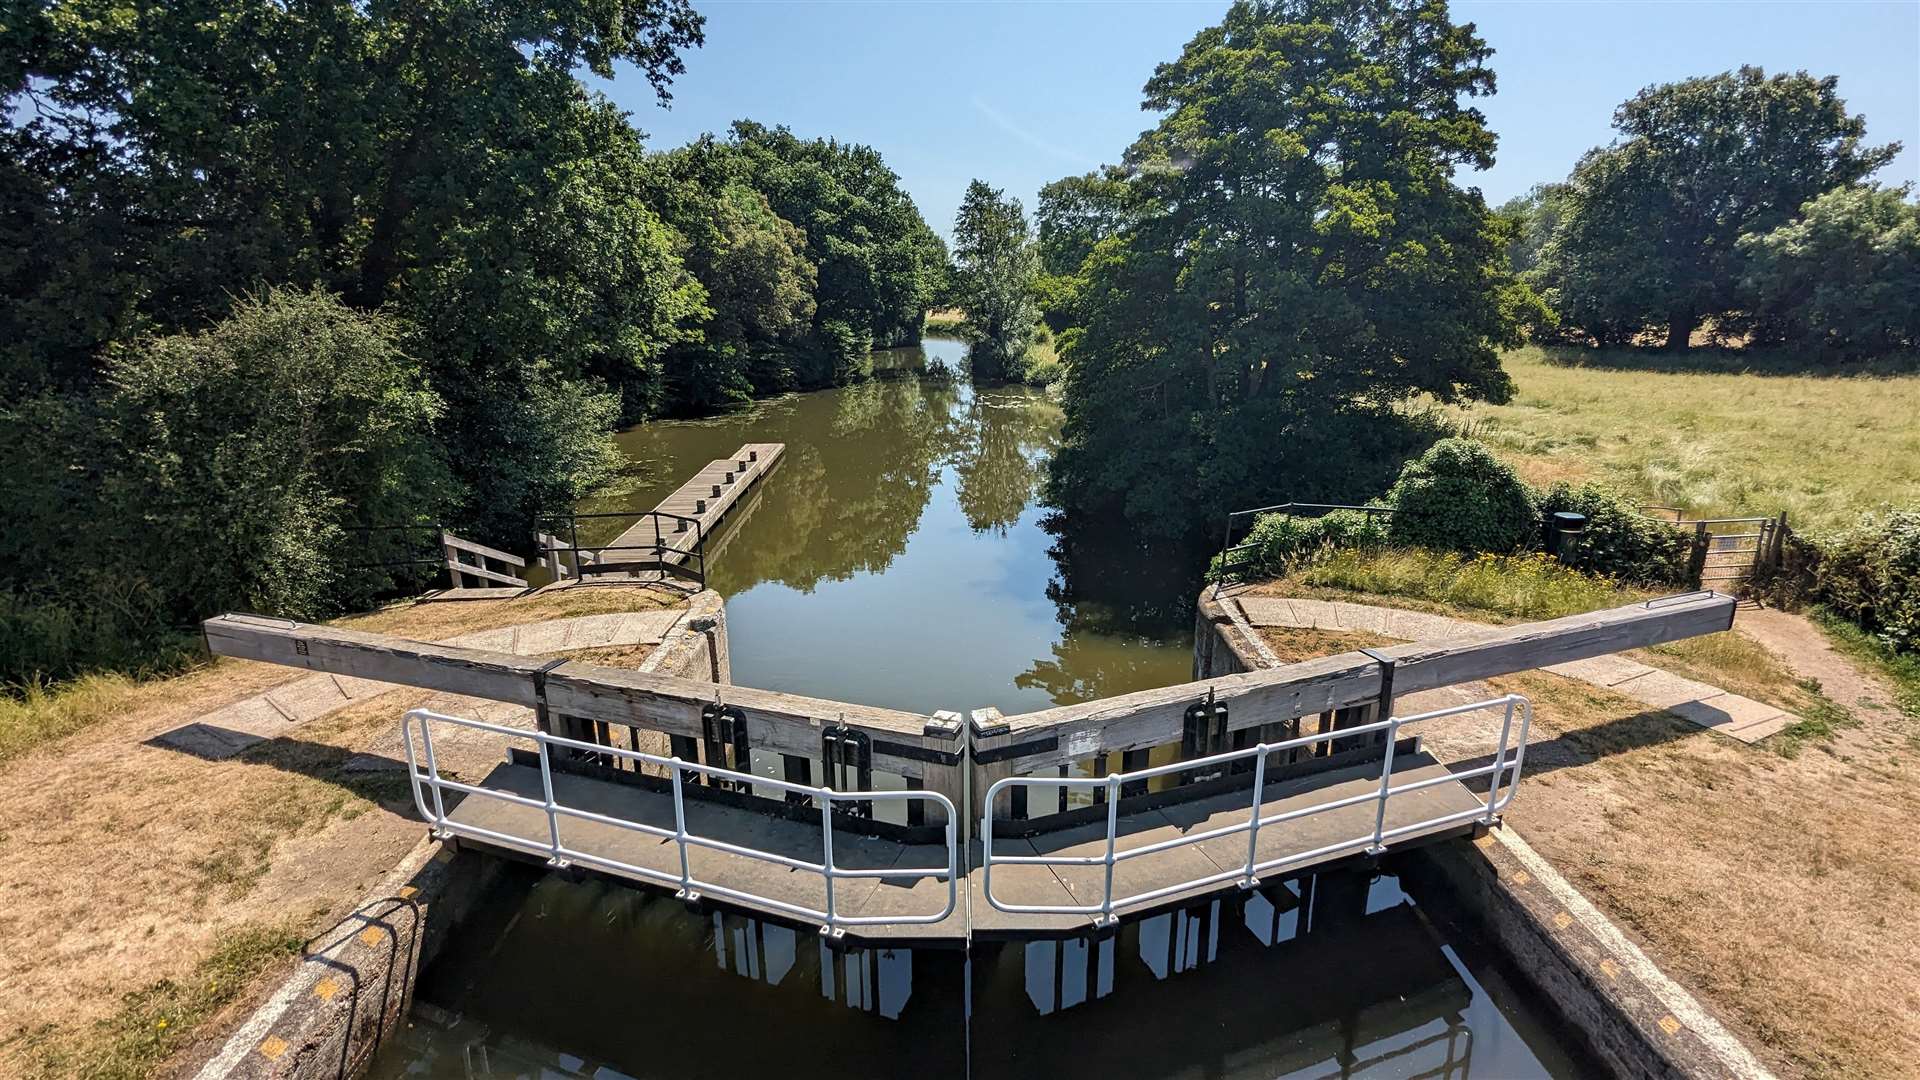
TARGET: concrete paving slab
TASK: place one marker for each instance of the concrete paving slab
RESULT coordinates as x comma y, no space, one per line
1664,690
1601,670
1267,610
1734,716
1362,617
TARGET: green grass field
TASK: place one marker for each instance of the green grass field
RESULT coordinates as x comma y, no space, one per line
1700,434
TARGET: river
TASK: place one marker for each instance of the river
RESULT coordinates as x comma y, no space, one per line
898,557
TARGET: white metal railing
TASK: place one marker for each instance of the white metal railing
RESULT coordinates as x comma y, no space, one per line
1248,875
689,886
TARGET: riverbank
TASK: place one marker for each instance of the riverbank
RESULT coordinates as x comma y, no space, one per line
149,894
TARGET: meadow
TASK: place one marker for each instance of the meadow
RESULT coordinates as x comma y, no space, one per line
1716,434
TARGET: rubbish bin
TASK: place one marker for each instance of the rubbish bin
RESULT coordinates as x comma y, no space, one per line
1563,535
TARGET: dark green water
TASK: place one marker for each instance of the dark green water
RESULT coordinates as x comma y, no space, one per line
1335,976
897,557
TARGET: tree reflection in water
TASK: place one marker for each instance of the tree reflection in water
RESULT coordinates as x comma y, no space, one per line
903,532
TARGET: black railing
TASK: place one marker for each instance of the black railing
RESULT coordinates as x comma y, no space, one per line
678,544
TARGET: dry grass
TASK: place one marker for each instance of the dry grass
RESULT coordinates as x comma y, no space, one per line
1716,442
41,715
1767,886
126,867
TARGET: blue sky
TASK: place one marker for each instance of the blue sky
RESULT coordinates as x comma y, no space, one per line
1020,94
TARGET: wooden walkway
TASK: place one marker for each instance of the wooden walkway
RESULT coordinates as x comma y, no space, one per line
973,915
707,498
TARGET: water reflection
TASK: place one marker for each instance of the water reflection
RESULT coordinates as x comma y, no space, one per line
1332,976
899,555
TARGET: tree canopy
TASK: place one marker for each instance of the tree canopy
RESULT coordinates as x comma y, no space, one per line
1650,225
1292,258
179,175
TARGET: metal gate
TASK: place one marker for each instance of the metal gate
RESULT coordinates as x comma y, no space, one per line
1727,551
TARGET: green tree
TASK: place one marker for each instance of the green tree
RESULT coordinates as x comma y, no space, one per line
214,471
995,266
1074,213
879,264
753,265
1295,262
440,157
1651,225
1844,279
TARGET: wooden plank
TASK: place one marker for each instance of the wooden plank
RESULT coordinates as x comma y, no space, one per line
783,723
483,573
1051,737
740,826
496,676
1507,649
452,541
787,723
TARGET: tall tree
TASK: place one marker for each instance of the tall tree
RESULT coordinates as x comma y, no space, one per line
879,264
1296,259
995,267
1651,225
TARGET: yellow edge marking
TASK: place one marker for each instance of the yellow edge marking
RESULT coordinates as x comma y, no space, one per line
1610,969
325,989
408,892
273,1048
1521,877
372,935
1669,1025
1563,920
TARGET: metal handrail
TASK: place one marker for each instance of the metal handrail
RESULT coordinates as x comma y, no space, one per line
689,886
1249,874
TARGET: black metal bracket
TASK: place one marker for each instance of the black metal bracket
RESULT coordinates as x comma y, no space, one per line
1203,733
723,729
848,756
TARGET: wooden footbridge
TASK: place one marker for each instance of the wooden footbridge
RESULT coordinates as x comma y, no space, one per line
668,540
933,829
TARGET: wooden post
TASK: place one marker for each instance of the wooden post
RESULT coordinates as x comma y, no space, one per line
454,577
1697,560
987,732
952,780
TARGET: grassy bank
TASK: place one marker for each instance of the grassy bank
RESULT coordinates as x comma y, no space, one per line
1701,434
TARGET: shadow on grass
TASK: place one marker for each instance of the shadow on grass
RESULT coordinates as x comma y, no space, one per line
1572,749
1723,360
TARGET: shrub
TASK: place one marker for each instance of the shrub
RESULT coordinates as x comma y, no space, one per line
1278,542
1619,541
1459,497
1871,575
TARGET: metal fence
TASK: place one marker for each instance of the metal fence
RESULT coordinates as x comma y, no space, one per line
1509,756
429,785
678,546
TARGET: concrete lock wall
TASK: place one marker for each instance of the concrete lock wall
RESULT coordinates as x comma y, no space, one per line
354,985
